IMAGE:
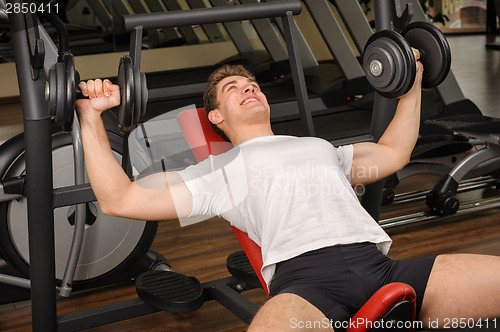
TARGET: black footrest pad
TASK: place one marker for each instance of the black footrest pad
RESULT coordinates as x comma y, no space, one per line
170,291
457,121
239,266
431,146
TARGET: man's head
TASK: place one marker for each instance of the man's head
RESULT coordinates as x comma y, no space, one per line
232,97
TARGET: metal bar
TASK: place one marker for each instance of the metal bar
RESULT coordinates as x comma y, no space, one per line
298,74
220,291
80,212
170,34
7,197
51,51
66,196
186,31
462,187
37,125
3,14
212,31
383,112
210,15
474,159
14,281
383,14
468,207
103,315
136,46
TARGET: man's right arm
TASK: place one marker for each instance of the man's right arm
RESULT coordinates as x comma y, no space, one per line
160,196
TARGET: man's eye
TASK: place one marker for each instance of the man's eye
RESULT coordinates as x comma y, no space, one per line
231,87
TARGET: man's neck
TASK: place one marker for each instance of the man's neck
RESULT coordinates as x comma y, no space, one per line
252,132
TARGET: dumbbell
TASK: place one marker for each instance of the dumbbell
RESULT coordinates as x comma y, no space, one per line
389,63
61,93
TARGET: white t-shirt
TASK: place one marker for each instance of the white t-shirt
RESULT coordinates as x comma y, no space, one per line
290,195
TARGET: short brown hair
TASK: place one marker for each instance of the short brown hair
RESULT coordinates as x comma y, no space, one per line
210,95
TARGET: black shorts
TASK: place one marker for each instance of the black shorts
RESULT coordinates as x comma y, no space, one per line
338,280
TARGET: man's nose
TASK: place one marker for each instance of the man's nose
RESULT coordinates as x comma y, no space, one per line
249,88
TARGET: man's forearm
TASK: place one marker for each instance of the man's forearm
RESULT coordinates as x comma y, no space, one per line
106,176
402,133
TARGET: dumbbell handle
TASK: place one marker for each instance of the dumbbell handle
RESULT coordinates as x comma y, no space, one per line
79,94
422,54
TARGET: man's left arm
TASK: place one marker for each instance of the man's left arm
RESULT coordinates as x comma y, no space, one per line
375,161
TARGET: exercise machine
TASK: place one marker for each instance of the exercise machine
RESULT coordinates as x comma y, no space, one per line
441,199
42,197
437,149
123,252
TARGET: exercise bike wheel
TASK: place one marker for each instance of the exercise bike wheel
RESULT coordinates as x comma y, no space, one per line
111,246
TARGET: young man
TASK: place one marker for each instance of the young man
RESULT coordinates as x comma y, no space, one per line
323,254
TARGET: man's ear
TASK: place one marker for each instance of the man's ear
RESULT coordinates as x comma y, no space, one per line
215,117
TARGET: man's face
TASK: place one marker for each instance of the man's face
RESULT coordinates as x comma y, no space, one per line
240,101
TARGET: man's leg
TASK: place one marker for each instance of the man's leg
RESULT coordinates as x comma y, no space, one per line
462,286
289,312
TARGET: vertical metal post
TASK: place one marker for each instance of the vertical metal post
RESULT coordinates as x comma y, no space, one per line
383,112
136,46
383,14
299,80
39,192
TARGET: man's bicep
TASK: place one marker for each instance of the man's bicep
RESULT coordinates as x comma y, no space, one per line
163,195
181,195
372,162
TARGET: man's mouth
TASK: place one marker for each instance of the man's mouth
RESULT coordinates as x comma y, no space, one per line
249,100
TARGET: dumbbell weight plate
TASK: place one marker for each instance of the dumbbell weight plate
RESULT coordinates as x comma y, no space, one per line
144,94
137,95
126,83
69,105
389,64
60,91
436,57
51,90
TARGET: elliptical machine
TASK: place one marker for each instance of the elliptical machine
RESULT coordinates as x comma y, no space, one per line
91,249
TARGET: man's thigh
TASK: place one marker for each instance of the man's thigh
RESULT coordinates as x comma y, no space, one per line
289,312
462,286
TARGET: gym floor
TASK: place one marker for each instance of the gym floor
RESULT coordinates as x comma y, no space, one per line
201,249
